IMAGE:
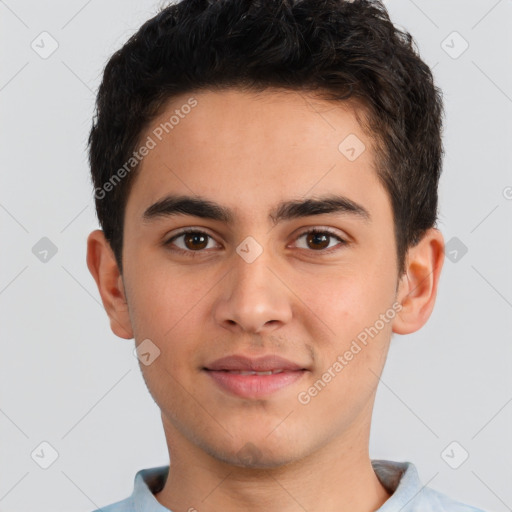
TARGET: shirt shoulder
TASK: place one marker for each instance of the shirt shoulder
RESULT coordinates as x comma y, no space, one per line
408,494
125,505
440,502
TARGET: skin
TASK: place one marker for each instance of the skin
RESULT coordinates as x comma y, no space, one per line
249,152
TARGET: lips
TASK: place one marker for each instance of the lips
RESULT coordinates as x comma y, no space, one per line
251,372
254,378
239,363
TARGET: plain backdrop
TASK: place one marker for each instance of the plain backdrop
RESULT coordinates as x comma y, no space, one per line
67,381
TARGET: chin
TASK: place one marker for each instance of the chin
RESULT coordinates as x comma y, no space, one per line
254,455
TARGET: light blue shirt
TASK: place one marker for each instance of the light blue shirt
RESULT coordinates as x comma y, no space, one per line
399,478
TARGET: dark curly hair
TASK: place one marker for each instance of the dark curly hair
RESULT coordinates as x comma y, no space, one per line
343,50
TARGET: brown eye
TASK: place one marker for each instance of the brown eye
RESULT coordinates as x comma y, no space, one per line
320,240
189,242
195,240
317,240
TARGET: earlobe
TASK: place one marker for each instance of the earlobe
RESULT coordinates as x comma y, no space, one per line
105,271
418,286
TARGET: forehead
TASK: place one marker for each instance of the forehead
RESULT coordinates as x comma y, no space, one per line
254,149
273,117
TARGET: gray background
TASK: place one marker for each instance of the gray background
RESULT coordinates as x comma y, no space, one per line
68,381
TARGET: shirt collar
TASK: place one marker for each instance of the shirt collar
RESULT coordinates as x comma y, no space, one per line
400,479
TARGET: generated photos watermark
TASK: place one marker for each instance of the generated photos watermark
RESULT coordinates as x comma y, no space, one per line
150,143
304,397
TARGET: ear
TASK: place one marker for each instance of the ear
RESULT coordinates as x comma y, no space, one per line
418,285
103,267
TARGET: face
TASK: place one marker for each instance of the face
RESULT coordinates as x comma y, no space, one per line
268,267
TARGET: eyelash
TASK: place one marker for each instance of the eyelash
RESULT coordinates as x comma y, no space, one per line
192,254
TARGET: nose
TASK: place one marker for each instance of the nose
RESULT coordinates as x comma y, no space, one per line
253,296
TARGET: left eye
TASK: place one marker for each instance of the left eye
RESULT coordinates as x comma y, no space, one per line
320,238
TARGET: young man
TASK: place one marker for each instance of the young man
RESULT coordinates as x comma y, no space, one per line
266,179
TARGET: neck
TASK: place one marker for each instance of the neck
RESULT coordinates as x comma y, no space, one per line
337,477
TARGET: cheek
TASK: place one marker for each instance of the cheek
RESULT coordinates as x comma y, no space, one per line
162,298
351,337
167,307
342,302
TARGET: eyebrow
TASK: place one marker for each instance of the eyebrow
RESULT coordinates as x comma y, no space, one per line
174,205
